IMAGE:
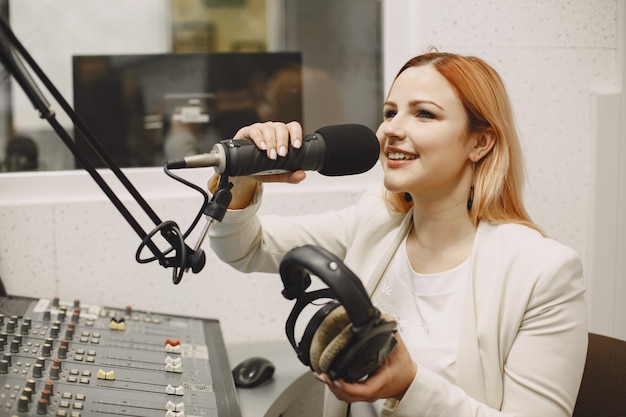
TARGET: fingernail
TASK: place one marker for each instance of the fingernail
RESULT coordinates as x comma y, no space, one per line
282,151
319,377
263,146
297,143
337,383
273,154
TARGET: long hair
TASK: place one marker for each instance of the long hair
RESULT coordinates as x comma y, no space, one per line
499,175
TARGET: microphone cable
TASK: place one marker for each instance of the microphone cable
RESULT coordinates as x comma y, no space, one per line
173,231
169,224
214,209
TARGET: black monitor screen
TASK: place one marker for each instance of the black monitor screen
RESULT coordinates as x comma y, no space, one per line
148,109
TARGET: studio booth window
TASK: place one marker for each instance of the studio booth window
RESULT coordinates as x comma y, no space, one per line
158,80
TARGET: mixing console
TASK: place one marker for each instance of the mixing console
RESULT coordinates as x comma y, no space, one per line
68,359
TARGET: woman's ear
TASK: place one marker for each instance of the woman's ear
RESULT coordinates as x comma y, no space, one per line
483,143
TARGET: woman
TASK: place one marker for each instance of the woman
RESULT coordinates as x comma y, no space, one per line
491,314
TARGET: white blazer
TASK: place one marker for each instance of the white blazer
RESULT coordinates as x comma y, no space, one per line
523,341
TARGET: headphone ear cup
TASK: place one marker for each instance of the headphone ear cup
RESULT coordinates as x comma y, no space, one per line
329,338
363,353
335,347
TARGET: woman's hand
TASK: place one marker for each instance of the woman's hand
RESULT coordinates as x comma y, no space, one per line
274,138
391,380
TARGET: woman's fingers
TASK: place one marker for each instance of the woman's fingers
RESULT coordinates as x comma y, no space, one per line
273,137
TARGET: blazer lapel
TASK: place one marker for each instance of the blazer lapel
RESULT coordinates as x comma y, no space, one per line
378,272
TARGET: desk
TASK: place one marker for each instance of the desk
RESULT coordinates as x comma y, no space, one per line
292,380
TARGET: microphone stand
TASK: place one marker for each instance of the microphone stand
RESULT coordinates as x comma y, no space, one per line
184,258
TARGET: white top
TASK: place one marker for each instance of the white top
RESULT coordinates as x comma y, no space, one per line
428,309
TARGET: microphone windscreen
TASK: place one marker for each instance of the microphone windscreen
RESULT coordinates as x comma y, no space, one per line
350,149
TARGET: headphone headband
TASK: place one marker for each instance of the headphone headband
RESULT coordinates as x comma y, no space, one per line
344,284
346,338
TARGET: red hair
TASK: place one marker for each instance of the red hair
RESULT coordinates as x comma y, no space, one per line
499,175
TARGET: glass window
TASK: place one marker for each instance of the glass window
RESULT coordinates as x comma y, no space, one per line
158,78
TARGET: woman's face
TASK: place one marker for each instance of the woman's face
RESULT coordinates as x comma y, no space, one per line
423,136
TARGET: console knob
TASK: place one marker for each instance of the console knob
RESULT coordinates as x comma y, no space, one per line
22,404
30,383
76,315
15,346
62,352
54,332
46,350
11,326
69,332
4,367
37,370
28,393
49,387
42,407
55,372
46,394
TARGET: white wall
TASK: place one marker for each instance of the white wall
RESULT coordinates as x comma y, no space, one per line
60,236
559,59
607,231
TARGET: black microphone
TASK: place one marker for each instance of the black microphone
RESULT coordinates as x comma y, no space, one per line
332,151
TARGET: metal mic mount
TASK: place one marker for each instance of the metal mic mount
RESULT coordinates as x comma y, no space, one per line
184,258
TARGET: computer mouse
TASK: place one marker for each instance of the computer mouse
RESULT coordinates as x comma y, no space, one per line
253,372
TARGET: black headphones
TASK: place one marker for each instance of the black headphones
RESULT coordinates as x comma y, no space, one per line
347,338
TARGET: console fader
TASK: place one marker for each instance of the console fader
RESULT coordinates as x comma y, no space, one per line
68,359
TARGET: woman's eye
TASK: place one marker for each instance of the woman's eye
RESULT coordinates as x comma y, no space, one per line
425,114
389,114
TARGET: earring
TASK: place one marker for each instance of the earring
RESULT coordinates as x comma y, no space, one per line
470,200
407,197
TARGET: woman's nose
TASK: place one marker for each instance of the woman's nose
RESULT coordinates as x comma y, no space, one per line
393,129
